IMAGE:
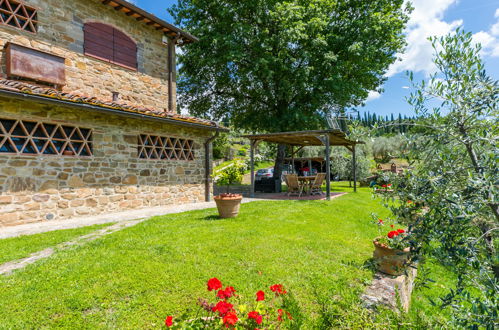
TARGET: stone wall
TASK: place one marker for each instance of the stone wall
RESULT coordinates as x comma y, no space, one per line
60,32
41,188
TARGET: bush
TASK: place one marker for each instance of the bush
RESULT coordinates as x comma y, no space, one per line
230,174
221,147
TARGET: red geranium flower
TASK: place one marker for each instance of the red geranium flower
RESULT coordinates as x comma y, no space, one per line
392,234
279,312
392,226
214,284
278,289
383,186
227,293
255,316
169,321
380,221
222,307
260,295
230,319
400,231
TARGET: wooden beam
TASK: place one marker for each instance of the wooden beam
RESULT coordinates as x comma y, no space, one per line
354,164
328,168
130,13
119,7
140,18
106,2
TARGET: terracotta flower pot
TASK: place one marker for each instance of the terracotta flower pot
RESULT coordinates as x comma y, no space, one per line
228,205
390,261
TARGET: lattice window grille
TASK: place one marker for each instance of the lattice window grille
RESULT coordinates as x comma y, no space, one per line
165,148
24,137
18,15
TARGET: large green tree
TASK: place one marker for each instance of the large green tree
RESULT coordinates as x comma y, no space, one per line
274,65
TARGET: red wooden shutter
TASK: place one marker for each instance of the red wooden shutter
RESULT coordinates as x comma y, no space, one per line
111,45
125,50
99,41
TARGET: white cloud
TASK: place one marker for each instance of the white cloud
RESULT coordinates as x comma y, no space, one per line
489,39
426,21
373,95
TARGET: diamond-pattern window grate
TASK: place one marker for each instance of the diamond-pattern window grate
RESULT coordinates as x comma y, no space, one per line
165,148
23,137
19,15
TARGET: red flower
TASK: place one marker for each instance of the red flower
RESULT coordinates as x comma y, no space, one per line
255,316
389,185
400,231
279,312
380,221
383,186
392,234
222,307
392,226
278,289
260,295
230,319
214,284
227,293
169,321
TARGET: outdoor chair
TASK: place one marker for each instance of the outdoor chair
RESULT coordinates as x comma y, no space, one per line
294,186
316,188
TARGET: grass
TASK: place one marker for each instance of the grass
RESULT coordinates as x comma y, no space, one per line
134,278
21,247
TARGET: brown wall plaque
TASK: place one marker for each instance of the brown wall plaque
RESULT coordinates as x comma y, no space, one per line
32,64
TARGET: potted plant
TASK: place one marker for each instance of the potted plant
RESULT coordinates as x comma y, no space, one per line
228,204
392,253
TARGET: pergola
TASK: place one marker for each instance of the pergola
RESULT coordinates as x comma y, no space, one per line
301,139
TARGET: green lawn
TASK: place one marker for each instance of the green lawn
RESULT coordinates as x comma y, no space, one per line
135,277
21,247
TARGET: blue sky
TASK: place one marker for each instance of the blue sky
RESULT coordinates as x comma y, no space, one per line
430,17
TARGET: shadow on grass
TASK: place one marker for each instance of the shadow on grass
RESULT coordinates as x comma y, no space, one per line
212,217
370,264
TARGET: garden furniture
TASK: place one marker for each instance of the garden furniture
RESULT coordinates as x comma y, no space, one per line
316,186
294,186
306,182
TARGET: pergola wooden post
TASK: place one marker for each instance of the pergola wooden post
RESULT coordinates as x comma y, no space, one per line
354,168
326,138
328,167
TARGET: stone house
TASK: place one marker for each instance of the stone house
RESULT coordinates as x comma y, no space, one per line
88,120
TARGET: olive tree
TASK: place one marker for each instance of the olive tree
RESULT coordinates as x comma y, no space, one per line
449,199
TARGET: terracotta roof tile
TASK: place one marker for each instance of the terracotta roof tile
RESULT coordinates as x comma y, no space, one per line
26,88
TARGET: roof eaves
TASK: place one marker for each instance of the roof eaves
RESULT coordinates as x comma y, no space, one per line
11,93
160,24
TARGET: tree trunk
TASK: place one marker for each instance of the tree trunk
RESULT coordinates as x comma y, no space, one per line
279,162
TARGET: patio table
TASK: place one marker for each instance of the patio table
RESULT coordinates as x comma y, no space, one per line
306,181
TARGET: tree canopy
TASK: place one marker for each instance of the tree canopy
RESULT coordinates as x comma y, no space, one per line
270,65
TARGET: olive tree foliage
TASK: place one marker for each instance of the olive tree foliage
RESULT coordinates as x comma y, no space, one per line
449,200
384,148
274,65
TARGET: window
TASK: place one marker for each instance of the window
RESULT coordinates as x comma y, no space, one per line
34,138
111,45
17,14
166,148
